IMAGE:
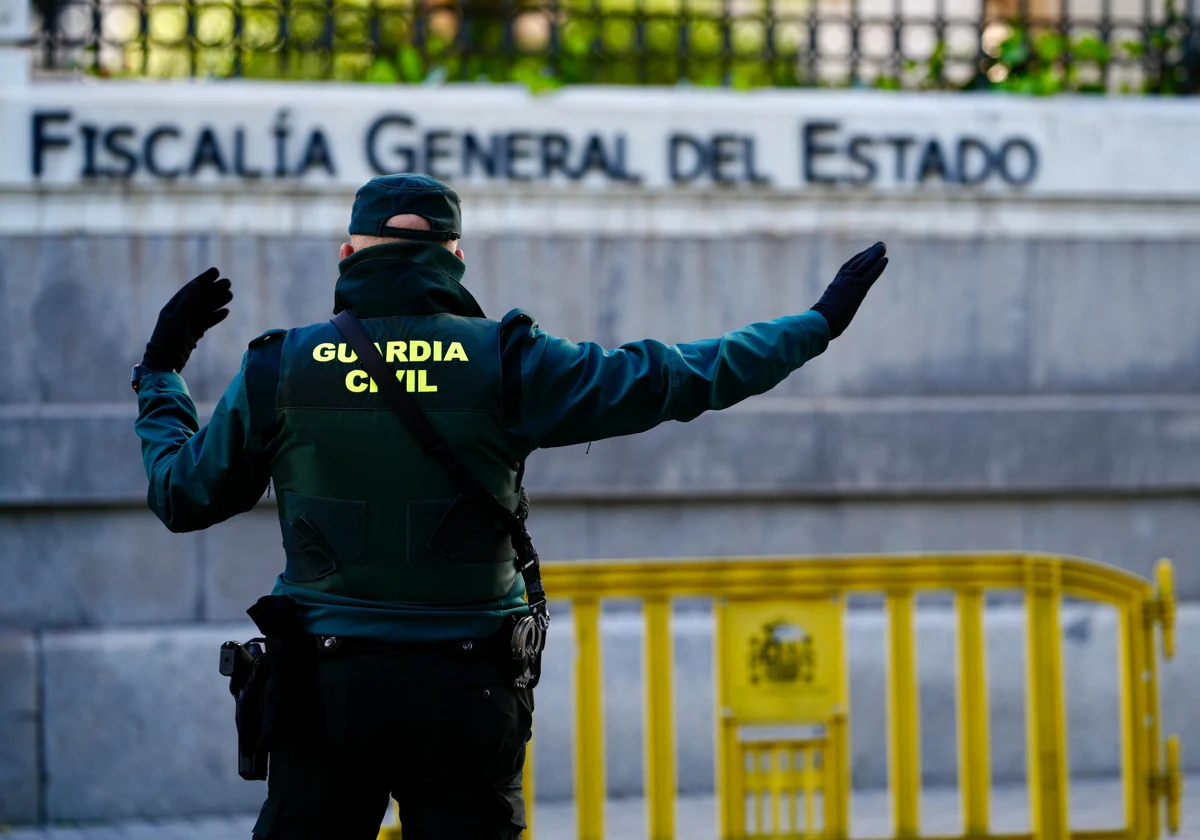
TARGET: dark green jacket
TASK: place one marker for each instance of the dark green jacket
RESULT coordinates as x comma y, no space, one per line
564,393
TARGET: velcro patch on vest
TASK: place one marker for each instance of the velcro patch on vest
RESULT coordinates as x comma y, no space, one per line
322,535
458,531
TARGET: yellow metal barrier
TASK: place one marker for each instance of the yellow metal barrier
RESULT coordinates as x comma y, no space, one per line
780,663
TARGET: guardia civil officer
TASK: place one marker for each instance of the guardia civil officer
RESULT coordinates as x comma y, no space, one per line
401,591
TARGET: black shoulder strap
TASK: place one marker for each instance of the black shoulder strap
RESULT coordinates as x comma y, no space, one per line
435,446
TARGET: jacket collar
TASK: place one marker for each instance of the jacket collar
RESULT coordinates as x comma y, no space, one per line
403,278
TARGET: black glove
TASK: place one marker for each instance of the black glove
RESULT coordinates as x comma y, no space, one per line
181,323
844,295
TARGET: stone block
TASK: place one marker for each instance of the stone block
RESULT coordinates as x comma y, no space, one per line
1131,533
1095,327
70,323
738,529
243,556
138,723
65,457
969,447
20,765
980,345
80,566
767,447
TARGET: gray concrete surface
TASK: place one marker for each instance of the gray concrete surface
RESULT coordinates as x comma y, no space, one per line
1053,372
995,392
121,567
123,704
20,766
1095,804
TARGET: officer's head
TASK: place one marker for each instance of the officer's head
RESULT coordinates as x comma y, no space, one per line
397,208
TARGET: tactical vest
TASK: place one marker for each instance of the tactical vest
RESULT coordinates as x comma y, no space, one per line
364,513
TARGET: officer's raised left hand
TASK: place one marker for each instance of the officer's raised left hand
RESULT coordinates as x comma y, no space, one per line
848,289
184,320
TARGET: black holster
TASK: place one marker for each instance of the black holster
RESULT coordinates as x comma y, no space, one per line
244,665
273,689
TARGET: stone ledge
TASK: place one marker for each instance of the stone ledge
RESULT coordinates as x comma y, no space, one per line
121,567
792,449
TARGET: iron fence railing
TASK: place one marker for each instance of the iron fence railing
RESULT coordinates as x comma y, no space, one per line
1034,46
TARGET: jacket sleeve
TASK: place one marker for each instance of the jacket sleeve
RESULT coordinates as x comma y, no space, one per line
199,476
575,393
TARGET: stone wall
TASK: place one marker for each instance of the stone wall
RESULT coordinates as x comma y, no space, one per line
1023,377
993,394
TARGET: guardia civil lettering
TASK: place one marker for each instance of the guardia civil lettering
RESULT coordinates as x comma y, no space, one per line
413,351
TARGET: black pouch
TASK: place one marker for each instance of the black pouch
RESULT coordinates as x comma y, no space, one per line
288,699
321,536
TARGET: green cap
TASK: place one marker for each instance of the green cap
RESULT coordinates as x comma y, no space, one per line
391,195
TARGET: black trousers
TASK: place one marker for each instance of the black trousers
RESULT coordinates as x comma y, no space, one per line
444,735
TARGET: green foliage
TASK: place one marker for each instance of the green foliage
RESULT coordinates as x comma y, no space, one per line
657,42
1046,62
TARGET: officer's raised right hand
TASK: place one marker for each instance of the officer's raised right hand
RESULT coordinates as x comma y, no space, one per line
844,295
185,319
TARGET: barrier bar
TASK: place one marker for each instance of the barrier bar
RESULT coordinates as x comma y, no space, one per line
1133,761
904,734
758,790
660,732
777,771
527,789
1151,729
1044,714
589,721
974,759
730,759
802,770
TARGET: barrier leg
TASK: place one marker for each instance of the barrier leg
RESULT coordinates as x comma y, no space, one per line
836,791
731,764
904,730
660,732
589,721
1045,714
974,760
527,791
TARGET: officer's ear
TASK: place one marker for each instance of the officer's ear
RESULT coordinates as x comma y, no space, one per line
347,250
458,252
